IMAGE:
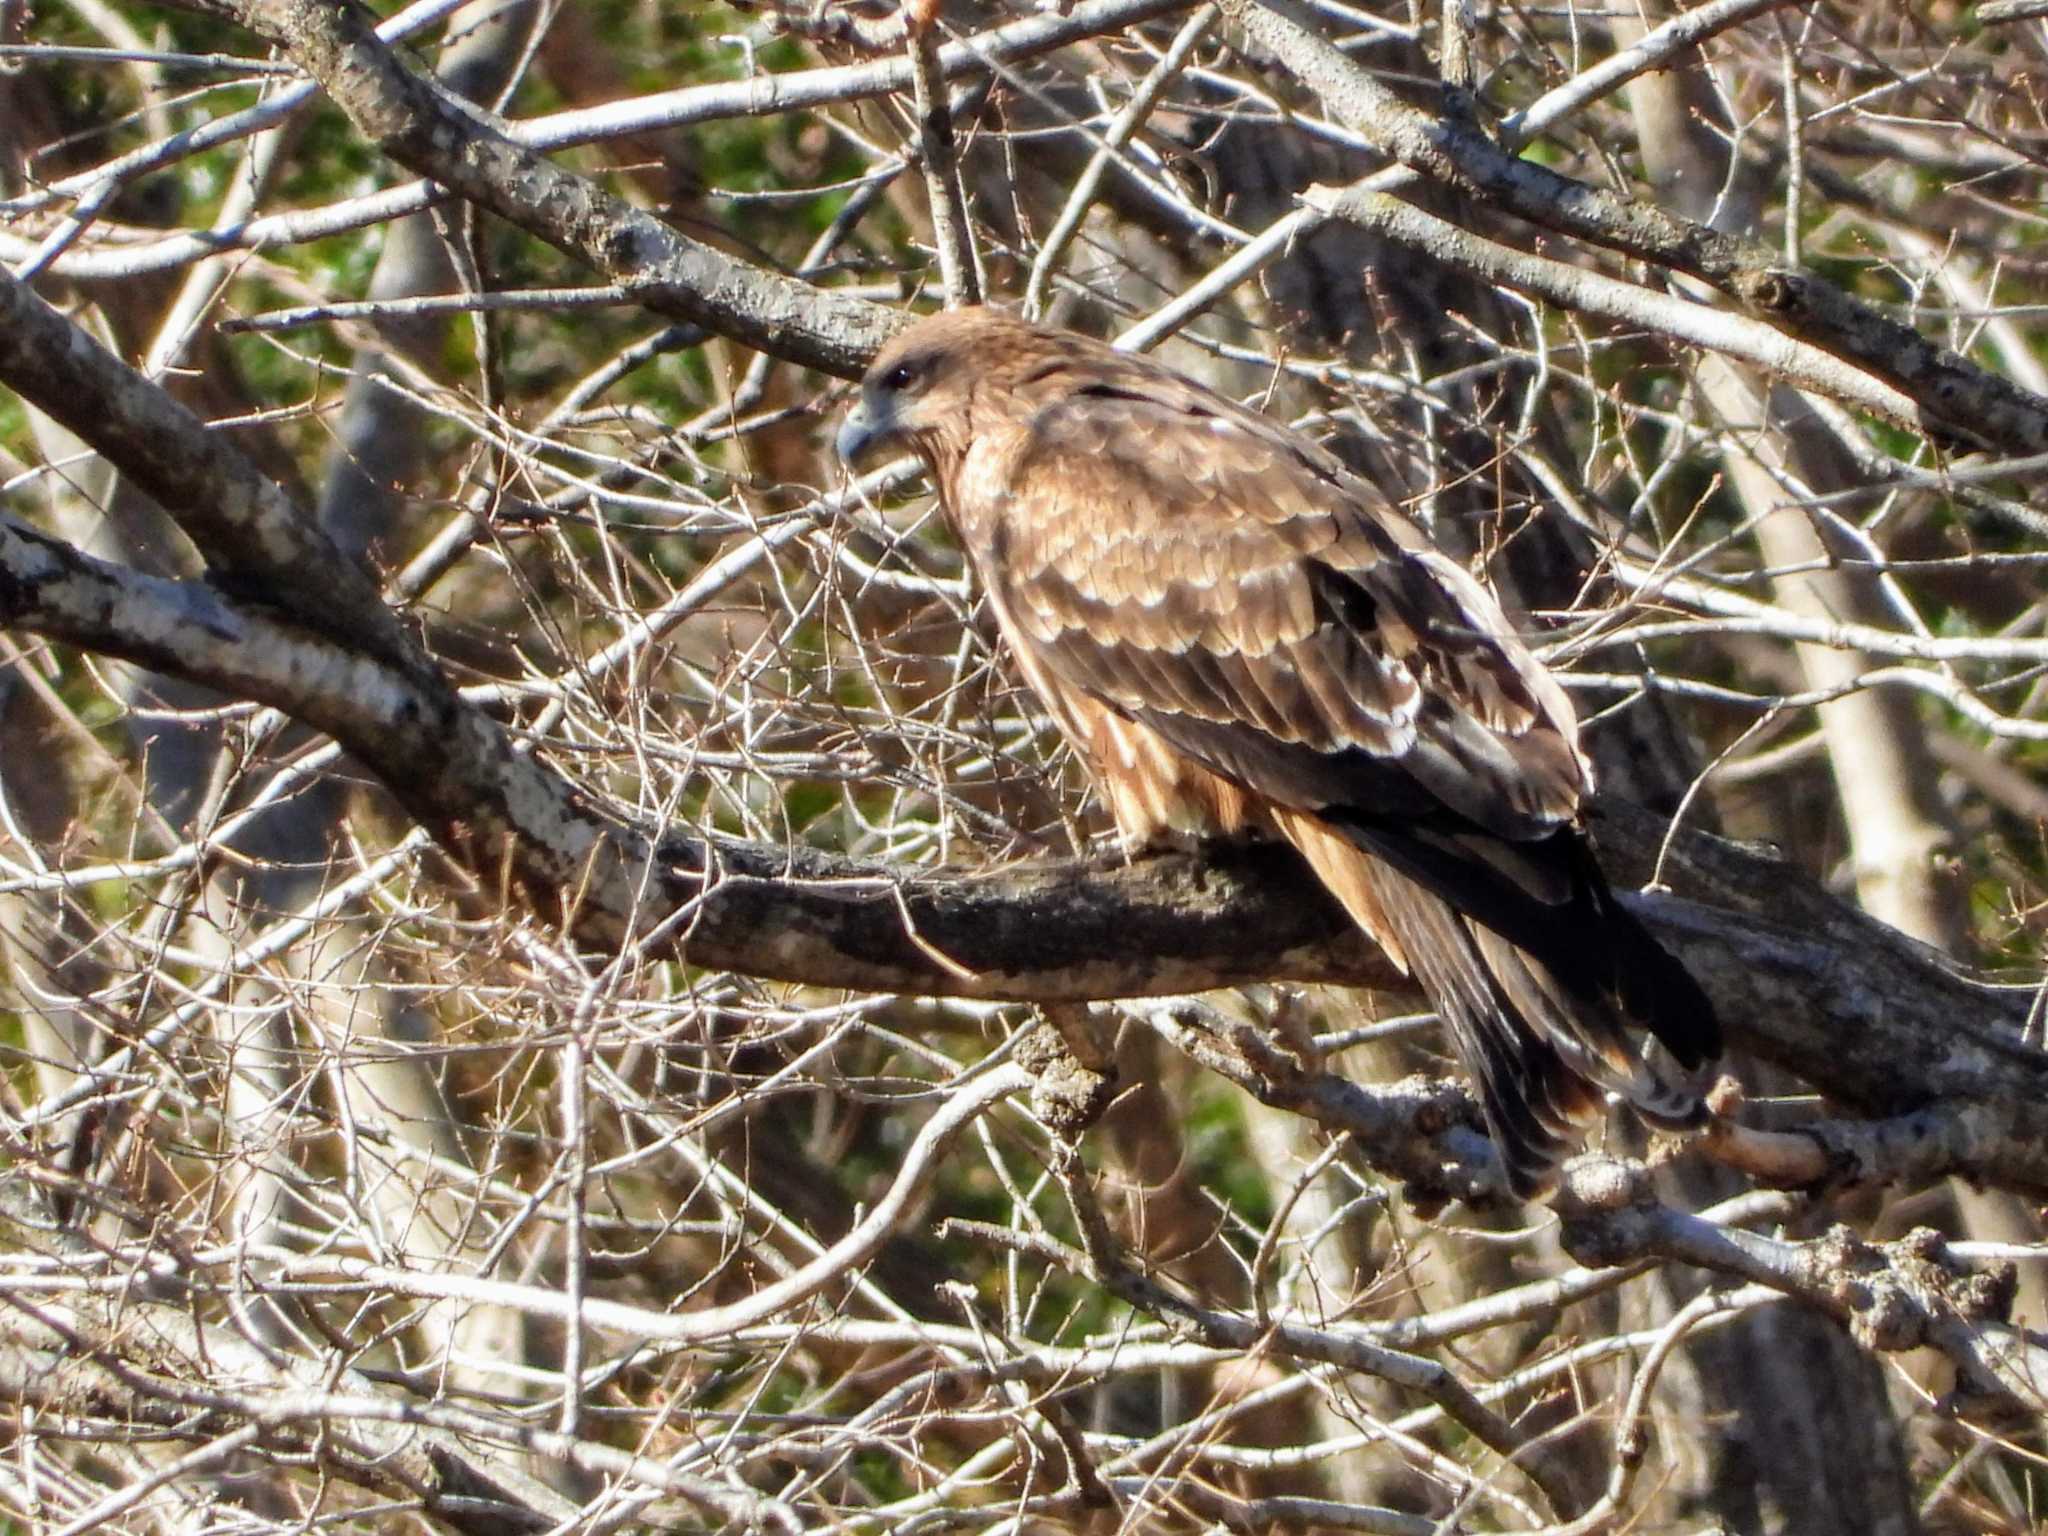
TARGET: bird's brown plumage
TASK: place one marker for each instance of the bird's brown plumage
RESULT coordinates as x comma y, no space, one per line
1236,633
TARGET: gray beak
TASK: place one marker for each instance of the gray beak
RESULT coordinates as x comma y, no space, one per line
861,432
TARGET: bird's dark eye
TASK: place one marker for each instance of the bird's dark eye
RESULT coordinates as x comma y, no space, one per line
898,377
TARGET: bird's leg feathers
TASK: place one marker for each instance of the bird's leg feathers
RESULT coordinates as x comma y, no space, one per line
1346,873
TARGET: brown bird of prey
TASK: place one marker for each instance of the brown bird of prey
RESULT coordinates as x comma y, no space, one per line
1238,635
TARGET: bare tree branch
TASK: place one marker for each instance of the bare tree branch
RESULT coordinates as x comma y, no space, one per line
1955,396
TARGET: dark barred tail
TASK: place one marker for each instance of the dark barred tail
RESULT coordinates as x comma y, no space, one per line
1535,1106
1651,988
1540,974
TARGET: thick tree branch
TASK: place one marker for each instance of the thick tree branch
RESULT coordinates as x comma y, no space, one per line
440,136
1878,1022
1891,1296
1595,293
243,524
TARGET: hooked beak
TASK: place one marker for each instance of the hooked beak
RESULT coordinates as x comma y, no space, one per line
862,432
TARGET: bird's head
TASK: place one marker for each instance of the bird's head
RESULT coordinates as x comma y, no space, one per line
918,394
906,396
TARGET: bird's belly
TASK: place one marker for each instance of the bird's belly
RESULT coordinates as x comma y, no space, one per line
1155,793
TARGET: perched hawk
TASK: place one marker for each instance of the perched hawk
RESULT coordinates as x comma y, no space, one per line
1236,633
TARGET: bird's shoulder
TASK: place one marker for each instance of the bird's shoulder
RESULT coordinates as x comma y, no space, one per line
1097,470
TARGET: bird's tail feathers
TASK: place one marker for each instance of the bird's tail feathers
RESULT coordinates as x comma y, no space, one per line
1534,1104
1647,982
1548,898
1536,970
1590,1042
